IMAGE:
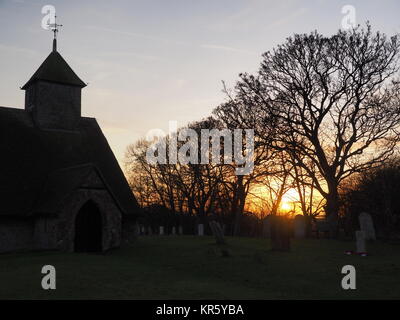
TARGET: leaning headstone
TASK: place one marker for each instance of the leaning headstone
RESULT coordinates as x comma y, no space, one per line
180,230
266,227
217,232
173,231
136,230
299,224
200,228
161,230
360,242
280,234
322,225
367,225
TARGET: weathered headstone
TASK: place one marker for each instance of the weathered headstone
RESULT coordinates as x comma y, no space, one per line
367,225
200,228
136,230
180,230
173,231
217,232
299,225
333,222
266,227
322,225
360,242
161,230
280,234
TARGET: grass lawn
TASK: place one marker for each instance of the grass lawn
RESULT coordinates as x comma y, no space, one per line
188,267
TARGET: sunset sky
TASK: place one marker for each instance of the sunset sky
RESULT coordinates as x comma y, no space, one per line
148,62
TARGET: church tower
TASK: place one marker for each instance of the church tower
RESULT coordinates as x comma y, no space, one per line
53,93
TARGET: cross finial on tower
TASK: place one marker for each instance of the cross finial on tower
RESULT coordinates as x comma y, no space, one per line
54,27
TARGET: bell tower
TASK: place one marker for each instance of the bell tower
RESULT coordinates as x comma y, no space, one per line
53,93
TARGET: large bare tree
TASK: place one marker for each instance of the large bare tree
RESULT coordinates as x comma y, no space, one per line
334,101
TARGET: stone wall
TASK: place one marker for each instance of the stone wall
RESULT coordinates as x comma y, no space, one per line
54,106
45,233
111,218
16,234
57,231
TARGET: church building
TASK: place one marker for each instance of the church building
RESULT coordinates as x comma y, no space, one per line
61,187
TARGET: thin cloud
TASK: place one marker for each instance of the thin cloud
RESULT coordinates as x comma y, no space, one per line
136,35
13,49
126,54
159,39
288,18
226,48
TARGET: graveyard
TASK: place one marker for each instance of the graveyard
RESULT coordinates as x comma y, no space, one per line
233,150
193,267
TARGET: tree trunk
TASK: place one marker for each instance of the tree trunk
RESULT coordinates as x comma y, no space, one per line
239,205
332,210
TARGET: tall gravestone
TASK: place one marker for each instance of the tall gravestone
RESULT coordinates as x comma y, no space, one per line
299,225
200,228
266,227
360,242
173,231
180,230
367,225
136,230
280,234
161,230
217,231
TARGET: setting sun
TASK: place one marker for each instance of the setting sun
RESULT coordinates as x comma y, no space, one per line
285,206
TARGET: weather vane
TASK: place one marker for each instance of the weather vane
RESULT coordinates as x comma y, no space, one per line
54,27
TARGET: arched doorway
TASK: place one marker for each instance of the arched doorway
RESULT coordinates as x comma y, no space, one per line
88,229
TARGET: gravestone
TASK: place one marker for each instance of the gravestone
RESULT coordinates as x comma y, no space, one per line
142,232
322,225
367,225
360,241
161,230
266,227
200,228
299,224
173,231
136,230
280,234
217,232
180,230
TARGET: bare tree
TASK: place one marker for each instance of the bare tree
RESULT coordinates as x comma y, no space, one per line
334,101
233,114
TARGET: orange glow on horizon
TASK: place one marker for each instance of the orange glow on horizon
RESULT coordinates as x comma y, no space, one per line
259,202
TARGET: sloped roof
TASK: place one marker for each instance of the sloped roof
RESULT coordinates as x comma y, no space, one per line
55,69
59,185
31,159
